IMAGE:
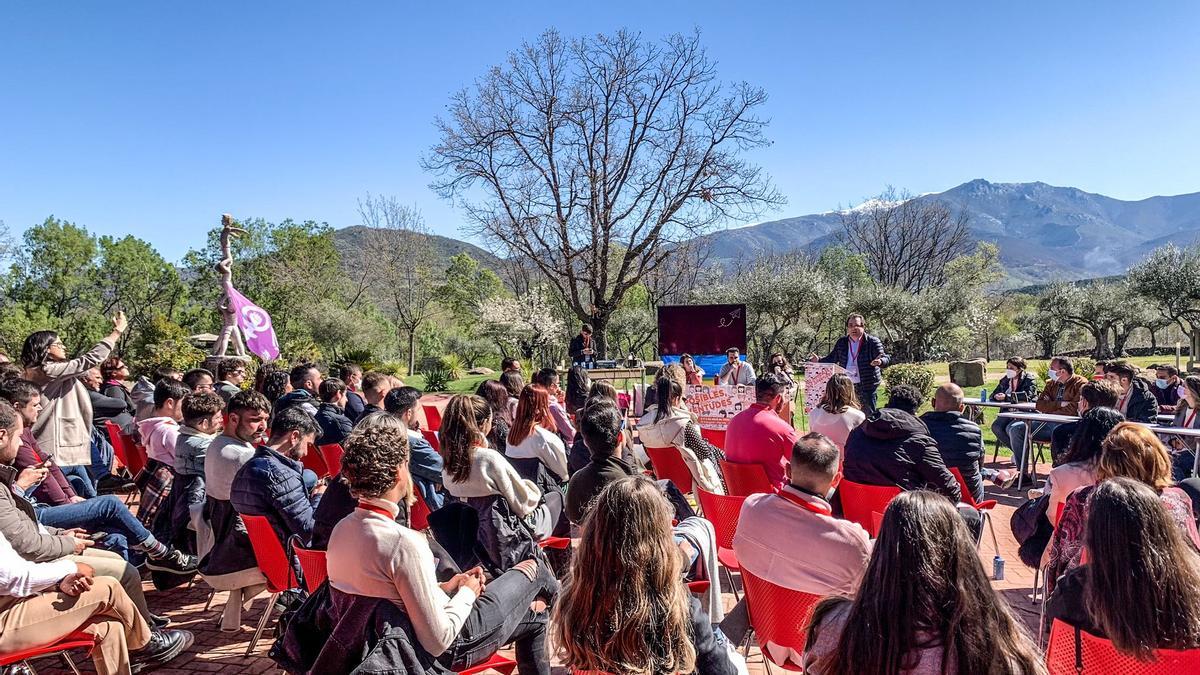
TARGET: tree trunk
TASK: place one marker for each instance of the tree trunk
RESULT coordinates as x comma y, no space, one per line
412,350
1102,351
599,323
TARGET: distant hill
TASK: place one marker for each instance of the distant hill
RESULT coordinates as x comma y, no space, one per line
1044,232
350,241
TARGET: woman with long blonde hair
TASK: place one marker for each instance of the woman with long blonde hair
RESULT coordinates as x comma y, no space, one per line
624,608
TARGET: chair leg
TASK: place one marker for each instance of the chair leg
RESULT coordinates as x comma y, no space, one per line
1042,614
992,527
732,586
32,670
1037,575
67,659
262,623
211,595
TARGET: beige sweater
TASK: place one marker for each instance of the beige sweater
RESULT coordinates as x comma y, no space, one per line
491,474
64,427
376,557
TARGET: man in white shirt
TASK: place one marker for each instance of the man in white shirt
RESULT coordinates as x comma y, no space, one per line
461,621
821,555
735,371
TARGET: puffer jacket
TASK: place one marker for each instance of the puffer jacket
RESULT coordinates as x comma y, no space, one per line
296,397
894,448
271,485
19,525
64,427
1142,406
335,425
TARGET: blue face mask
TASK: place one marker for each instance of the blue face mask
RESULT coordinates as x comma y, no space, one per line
1162,384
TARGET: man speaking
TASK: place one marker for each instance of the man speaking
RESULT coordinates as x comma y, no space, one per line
862,355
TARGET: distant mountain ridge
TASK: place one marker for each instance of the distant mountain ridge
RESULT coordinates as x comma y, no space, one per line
350,242
1044,232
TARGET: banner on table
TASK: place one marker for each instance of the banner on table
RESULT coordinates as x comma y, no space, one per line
255,323
816,376
715,405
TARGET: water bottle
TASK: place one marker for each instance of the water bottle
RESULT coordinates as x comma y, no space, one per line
998,568
983,395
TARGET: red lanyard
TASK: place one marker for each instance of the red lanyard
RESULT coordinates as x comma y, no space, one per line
376,509
1190,417
853,349
819,509
736,374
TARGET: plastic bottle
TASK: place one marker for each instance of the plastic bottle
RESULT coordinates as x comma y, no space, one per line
983,395
998,568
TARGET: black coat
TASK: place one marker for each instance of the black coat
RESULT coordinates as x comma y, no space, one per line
1142,407
959,440
589,481
1027,389
872,348
575,349
335,425
894,448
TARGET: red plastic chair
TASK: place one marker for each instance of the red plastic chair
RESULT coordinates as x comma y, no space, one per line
332,454
984,508
778,615
669,465
418,513
124,447
496,662
723,512
714,436
273,563
744,480
314,462
312,563
699,587
432,437
555,542
1097,655
77,640
433,416
859,501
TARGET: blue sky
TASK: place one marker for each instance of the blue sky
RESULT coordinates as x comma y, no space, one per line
153,118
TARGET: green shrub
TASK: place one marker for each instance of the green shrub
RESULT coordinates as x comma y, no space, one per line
1084,366
453,365
437,379
914,374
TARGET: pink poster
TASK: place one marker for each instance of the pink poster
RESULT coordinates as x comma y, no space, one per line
256,326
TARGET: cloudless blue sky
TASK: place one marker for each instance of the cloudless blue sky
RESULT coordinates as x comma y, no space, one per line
153,118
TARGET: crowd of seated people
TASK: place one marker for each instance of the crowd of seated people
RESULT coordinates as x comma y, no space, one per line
564,463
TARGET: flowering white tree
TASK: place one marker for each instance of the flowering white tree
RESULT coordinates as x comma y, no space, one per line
525,324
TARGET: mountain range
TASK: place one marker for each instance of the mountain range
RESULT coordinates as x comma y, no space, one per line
1044,232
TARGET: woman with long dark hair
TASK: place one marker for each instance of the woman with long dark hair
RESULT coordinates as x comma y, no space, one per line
625,609
693,372
1183,459
64,428
578,385
513,383
1077,466
779,366
925,605
472,469
1140,587
497,398
839,411
670,425
1129,451
534,435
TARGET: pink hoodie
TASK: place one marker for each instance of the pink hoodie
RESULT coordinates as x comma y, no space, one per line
158,435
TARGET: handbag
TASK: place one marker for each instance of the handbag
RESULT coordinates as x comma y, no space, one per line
1032,530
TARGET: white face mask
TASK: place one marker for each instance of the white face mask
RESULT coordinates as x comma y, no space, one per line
1053,374
1182,391
1012,374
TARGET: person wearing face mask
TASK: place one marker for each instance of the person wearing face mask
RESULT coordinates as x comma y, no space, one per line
1017,386
758,435
862,355
1166,388
1060,397
821,554
1183,449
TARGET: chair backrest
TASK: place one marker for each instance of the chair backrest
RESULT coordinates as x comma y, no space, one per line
433,417
967,497
314,462
714,436
332,454
669,465
859,501
1097,655
777,614
312,563
746,479
723,512
118,443
269,553
418,513
432,437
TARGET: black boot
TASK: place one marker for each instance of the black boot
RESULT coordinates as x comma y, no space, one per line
164,646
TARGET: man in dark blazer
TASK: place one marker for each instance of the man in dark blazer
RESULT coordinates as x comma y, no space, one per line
862,355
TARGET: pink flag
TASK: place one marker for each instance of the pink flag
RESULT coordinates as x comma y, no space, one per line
256,326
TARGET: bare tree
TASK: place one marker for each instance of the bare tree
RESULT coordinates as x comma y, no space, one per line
593,158
398,266
906,241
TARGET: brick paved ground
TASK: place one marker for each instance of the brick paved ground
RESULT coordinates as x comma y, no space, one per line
216,652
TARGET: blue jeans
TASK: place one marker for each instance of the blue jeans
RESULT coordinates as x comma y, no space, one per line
102,458
1016,431
81,482
868,398
99,514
